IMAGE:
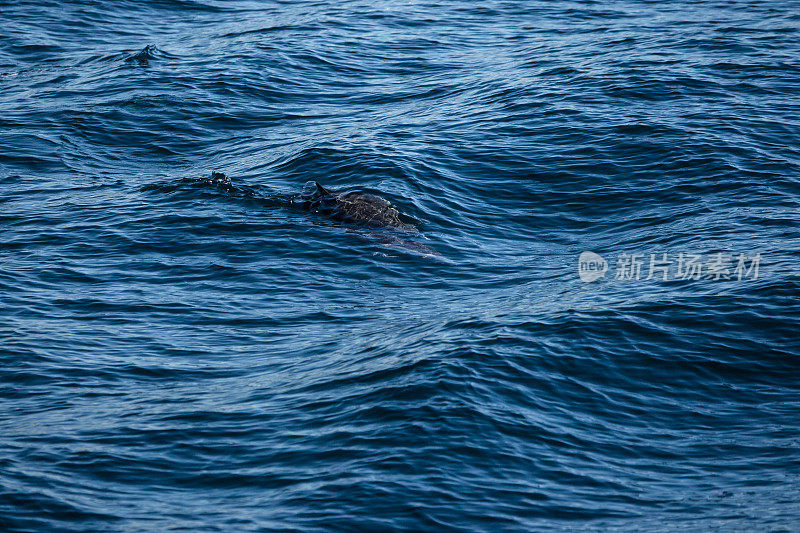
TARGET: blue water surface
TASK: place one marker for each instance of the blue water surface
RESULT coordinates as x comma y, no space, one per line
181,355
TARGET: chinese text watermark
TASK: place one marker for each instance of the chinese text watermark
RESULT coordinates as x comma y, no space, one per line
664,267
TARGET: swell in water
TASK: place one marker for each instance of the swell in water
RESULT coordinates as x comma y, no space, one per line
177,356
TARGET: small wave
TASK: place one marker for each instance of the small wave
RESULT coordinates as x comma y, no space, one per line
149,53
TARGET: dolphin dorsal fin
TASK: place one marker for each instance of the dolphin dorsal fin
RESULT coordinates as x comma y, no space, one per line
321,189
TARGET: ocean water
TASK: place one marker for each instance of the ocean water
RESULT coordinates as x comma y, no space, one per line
182,354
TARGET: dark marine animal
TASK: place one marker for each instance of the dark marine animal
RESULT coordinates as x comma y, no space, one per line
371,217
358,208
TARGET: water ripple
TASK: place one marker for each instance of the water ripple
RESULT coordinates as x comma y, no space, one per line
167,332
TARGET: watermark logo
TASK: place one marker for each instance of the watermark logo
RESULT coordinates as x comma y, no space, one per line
684,266
591,266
